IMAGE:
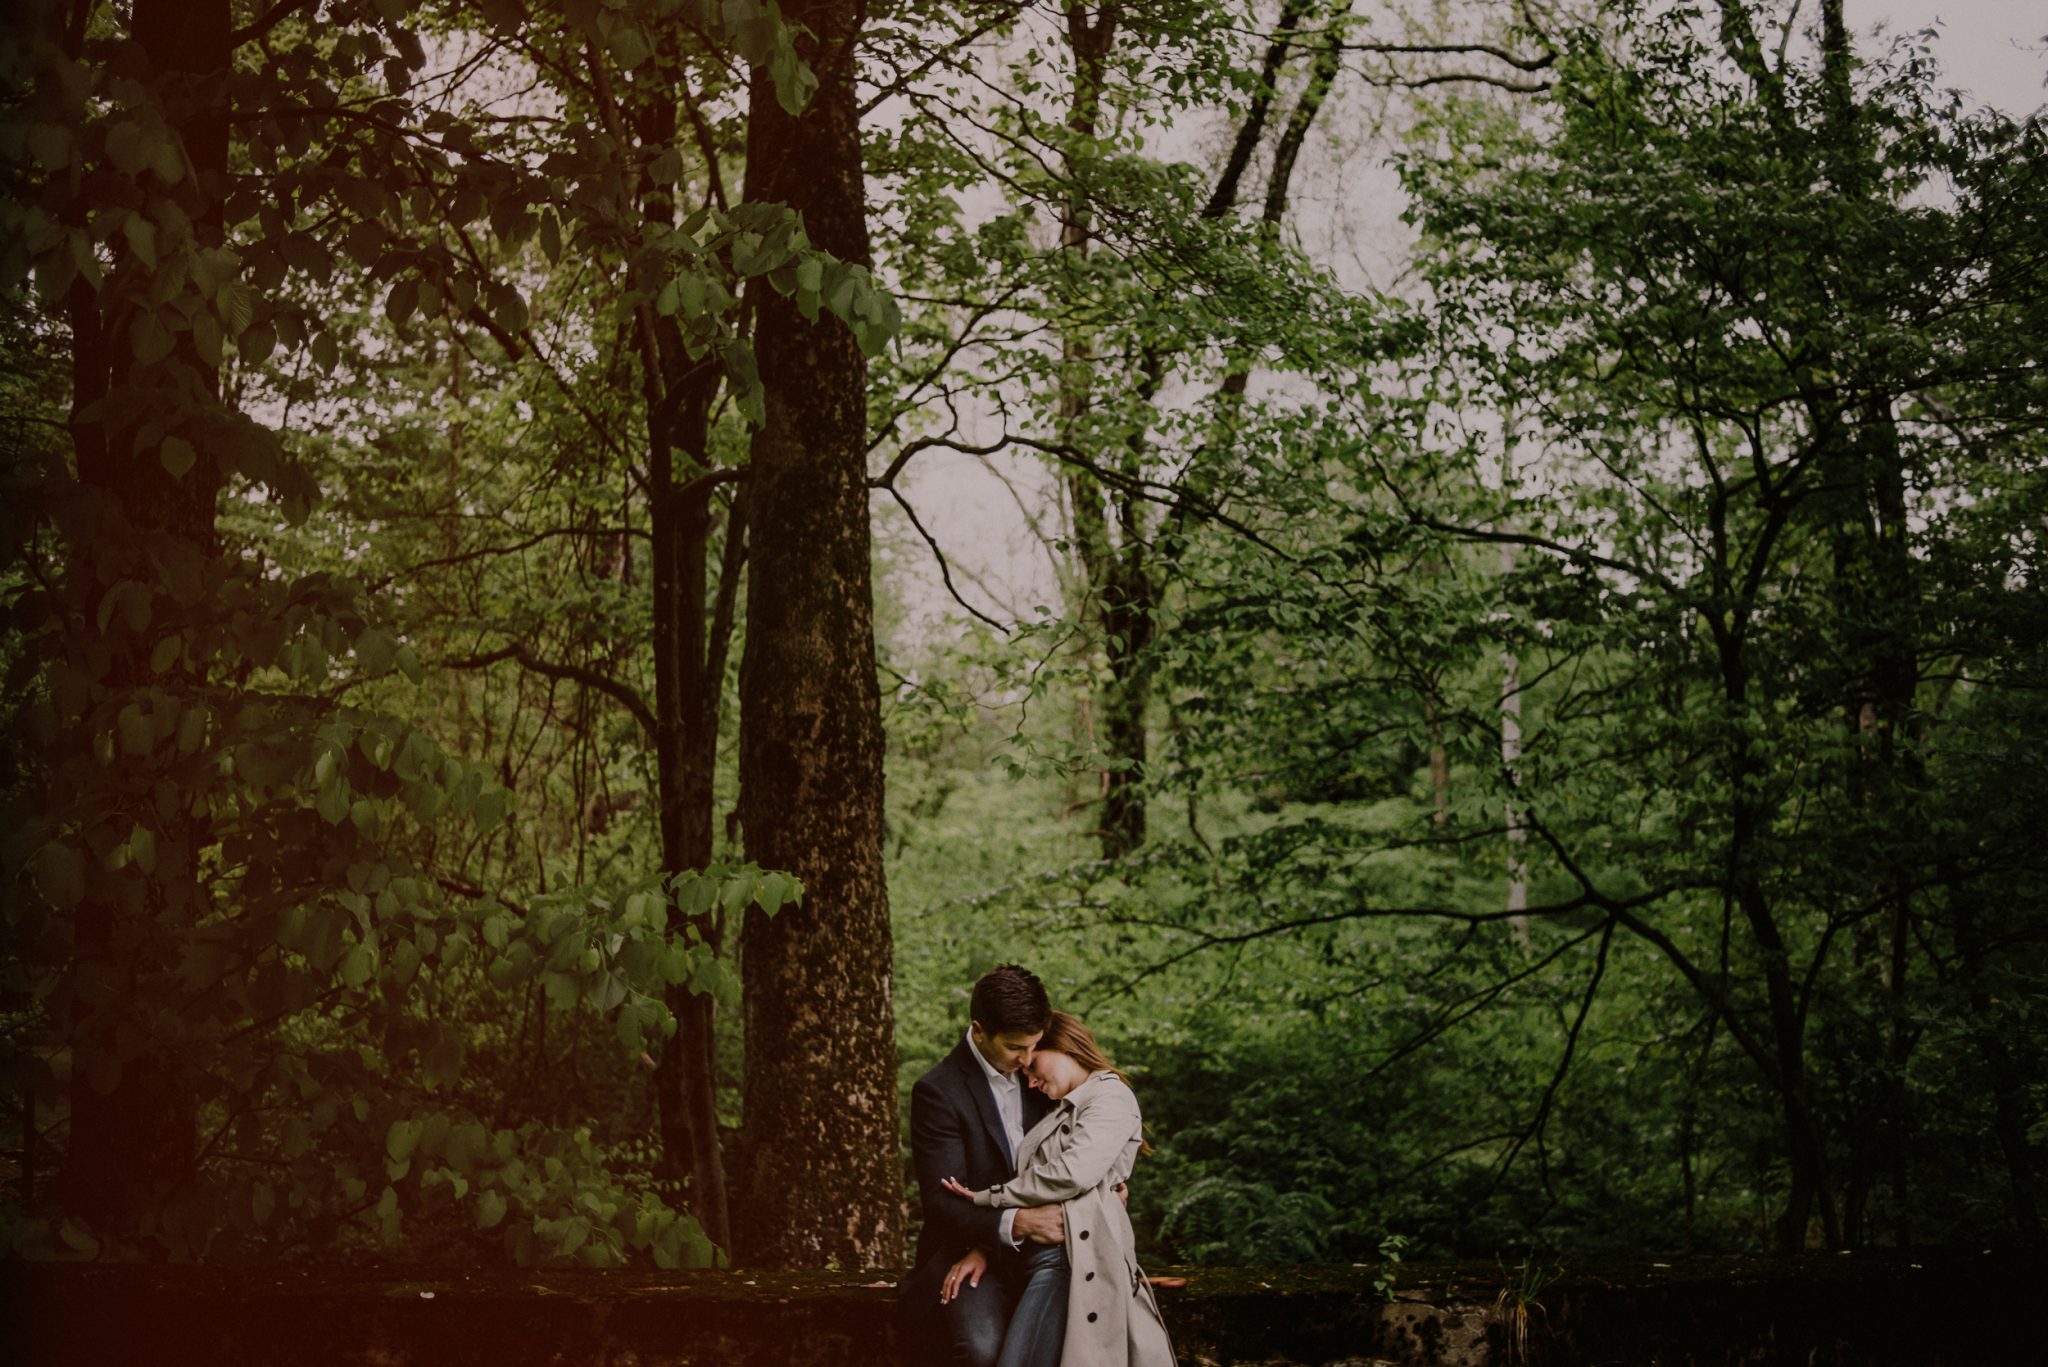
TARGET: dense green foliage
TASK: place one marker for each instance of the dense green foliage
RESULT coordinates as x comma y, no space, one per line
1540,754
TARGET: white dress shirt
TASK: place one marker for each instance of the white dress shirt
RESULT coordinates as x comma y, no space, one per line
1008,1091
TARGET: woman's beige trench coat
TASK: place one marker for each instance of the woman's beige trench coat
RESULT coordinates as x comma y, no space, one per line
1078,1155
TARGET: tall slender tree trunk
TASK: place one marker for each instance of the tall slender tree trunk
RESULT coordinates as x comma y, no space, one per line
821,1161
1805,1148
689,675
133,1112
2007,1080
691,632
1511,766
1877,599
1110,540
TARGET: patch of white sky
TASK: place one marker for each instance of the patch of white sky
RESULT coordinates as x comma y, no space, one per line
993,517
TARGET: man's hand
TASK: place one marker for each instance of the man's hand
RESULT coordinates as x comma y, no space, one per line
1123,1192
1041,1225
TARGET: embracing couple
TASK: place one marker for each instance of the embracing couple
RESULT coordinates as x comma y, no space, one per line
1023,1138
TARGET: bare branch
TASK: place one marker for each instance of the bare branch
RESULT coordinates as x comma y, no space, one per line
263,23
624,694
1564,1062
945,570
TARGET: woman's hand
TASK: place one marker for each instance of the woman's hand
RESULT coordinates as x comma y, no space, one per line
965,1273
950,1185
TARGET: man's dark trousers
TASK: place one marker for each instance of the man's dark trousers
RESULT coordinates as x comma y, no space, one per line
1017,1317
956,1132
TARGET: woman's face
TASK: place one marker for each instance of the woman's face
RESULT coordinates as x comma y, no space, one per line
1055,1073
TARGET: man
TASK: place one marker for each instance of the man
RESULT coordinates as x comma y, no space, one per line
967,1116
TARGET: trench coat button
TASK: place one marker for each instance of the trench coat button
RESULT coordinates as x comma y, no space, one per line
1091,1317
1084,1233
1089,1278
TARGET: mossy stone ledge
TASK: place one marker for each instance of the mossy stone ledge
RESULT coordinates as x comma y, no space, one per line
1856,1310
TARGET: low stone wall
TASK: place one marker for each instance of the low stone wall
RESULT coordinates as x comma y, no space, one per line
1858,1310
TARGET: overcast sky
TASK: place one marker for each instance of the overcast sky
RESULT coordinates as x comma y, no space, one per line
1994,50
1991,48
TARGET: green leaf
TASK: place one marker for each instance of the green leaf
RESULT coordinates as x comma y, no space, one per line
256,343
401,301
739,364
50,144
142,849
60,875
363,814
177,455
207,339
237,305
376,649
359,964
775,890
508,308
562,988
332,802
141,235
303,252
737,892
148,338
442,1062
138,735
668,168
795,82
629,46
192,730
490,1210
491,807
167,160
128,147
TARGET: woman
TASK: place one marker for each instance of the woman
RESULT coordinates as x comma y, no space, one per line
1078,1156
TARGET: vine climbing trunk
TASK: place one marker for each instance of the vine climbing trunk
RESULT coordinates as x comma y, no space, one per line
820,1161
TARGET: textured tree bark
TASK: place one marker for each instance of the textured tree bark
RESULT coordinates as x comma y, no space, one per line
820,1166
131,1145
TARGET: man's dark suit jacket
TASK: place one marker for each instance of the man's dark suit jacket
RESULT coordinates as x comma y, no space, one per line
956,1132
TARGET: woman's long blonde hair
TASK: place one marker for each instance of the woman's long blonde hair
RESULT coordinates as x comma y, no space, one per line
1068,1036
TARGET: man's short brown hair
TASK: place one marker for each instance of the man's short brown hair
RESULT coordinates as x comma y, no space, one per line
1010,999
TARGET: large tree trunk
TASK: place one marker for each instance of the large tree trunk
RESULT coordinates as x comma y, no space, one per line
821,1172
131,1144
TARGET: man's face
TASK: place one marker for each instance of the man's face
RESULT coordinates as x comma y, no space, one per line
1006,1050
